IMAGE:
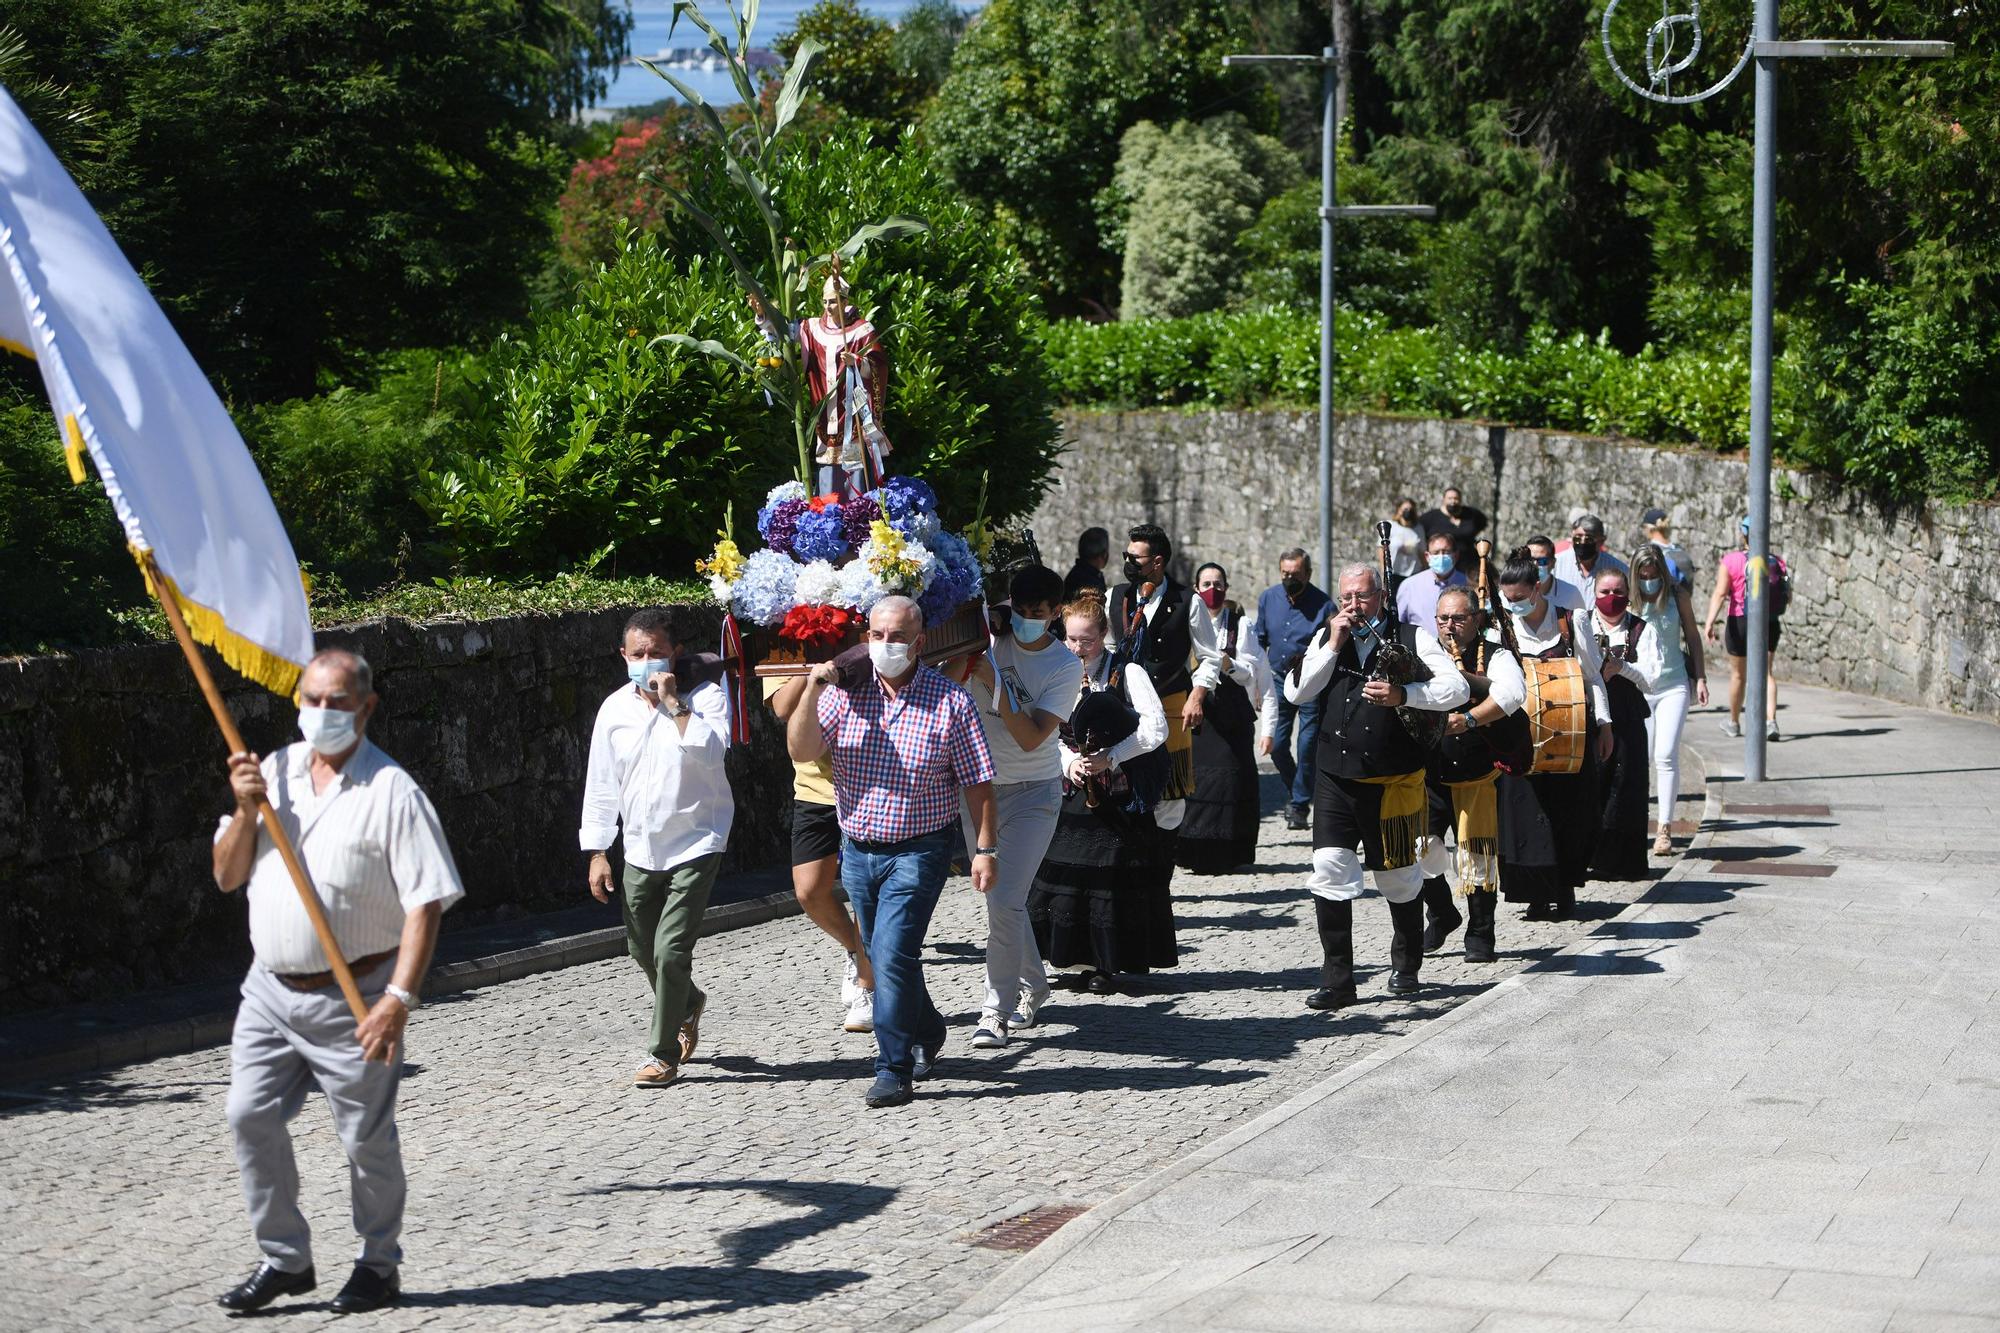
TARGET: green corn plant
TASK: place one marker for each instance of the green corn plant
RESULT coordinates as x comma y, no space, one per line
778,282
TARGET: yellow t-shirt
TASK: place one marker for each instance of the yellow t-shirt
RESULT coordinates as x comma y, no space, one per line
811,782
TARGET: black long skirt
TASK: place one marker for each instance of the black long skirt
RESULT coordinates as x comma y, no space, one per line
1620,851
1101,898
1548,828
1219,831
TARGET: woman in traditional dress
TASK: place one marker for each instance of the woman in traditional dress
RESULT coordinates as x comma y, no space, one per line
1670,655
1620,637
1548,821
1100,903
1220,830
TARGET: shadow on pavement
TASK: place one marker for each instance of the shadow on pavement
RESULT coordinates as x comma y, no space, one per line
702,1291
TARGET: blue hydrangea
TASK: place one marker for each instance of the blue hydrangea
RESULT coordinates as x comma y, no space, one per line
918,526
765,592
901,497
957,580
820,534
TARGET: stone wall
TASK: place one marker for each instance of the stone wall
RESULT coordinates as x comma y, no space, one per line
1900,603
112,778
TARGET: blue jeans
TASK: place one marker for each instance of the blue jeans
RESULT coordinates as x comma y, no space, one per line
893,890
1297,773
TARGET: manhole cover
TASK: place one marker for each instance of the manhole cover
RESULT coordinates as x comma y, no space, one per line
1802,869
1816,811
1024,1231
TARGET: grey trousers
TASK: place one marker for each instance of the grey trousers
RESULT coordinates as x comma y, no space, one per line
286,1043
1027,822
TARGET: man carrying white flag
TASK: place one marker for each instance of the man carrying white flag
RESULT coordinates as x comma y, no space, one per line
202,526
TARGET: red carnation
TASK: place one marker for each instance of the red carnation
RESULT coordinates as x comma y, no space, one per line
816,625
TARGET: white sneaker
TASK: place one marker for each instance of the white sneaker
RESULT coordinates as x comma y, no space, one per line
861,1013
850,983
1771,730
1731,729
991,1032
1028,1012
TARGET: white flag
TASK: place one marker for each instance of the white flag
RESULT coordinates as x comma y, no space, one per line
126,391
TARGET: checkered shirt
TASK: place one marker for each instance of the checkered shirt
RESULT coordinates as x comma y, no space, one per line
898,764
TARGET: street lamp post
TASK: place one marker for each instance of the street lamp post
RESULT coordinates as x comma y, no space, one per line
1328,211
1662,66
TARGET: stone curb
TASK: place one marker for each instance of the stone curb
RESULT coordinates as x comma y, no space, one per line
180,1036
1075,1234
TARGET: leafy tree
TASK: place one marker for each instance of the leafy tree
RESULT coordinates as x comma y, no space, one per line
926,36
857,69
307,182
1376,264
1177,202
1040,91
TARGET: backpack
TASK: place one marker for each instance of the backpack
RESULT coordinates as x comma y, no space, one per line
1780,586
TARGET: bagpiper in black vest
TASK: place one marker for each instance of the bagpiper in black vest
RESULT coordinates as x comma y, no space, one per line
1358,739
1166,642
1475,754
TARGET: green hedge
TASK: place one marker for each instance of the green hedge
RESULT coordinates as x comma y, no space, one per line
1255,357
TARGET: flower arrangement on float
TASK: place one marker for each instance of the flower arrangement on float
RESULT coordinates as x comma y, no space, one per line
828,559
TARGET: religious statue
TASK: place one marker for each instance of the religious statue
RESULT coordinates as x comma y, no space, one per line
847,373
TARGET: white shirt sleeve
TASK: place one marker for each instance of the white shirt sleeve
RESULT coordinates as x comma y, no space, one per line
1508,684
710,705
1583,630
1152,732
1250,663
1315,671
1207,649
1243,666
420,861
600,789
1446,689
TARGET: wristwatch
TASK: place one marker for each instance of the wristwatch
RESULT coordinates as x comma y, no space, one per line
410,1002
993,852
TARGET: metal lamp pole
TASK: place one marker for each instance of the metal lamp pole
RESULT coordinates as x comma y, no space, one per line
1662,65
1328,211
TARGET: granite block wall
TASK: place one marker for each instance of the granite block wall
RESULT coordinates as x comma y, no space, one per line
1903,603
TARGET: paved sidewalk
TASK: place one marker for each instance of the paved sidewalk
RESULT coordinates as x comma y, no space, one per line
548,1193
1766,1097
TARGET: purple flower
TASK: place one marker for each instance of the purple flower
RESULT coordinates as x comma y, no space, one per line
778,524
855,518
820,534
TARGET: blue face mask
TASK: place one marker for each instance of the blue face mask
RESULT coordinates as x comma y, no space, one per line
1441,565
638,671
1649,586
1520,608
1029,632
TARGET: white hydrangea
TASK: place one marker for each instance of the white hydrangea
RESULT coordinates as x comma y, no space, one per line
720,588
819,585
859,588
783,491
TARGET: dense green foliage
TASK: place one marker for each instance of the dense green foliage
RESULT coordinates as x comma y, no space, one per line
1256,357
309,182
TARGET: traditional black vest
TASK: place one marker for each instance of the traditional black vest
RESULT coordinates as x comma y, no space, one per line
1464,758
1165,642
1358,739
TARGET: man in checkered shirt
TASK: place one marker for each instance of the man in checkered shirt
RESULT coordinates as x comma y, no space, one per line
905,743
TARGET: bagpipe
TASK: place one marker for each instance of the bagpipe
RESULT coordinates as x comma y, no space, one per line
1100,720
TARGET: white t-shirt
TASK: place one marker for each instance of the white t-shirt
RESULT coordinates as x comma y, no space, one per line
1047,680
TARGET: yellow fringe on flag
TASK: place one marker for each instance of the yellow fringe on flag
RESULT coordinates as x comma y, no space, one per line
18,349
73,449
1405,817
252,661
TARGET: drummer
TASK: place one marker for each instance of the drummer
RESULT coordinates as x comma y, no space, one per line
1548,821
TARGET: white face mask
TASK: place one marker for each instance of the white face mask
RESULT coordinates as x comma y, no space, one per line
891,659
330,731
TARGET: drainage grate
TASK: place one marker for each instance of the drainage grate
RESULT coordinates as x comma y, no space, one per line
1803,869
1024,1231
1815,811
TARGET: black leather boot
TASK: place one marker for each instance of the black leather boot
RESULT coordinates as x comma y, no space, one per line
1336,941
1441,916
1479,908
1406,946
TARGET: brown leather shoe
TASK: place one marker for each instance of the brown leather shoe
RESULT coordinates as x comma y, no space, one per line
654,1074
691,1030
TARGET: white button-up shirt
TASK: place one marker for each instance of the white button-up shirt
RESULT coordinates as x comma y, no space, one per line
371,844
1444,691
668,789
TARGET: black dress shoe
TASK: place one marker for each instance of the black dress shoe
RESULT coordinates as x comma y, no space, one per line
367,1290
1331,999
1404,983
1538,911
1100,983
264,1286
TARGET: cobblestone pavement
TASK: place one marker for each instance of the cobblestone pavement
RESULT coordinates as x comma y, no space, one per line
757,1192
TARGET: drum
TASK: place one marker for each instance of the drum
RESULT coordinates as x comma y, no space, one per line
1558,714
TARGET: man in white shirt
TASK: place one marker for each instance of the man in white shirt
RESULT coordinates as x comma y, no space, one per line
1026,687
1369,807
1586,558
373,849
656,766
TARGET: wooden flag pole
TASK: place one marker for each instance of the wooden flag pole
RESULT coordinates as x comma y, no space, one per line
279,838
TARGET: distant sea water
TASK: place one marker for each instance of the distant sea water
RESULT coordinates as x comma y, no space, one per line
635,85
